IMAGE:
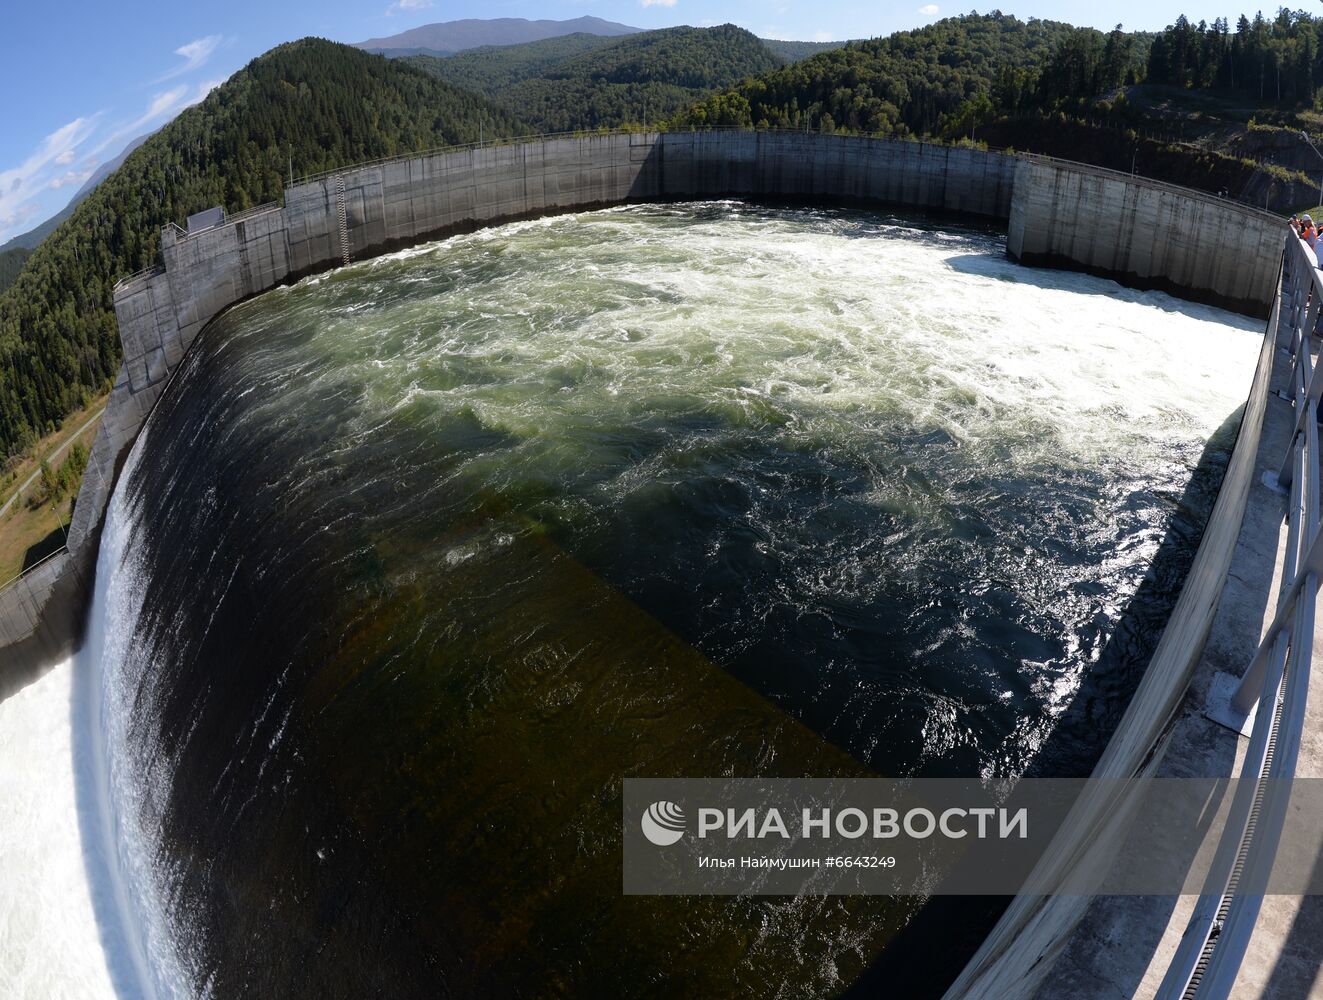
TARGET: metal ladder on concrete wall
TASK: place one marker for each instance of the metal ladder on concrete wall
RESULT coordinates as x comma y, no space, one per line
342,217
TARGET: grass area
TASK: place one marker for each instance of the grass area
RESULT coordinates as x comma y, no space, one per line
30,529
30,461
27,536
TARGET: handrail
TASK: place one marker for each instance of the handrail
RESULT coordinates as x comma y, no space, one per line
62,550
1273,688
248,213
146,272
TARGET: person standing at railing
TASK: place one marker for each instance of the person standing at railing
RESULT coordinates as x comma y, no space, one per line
1309,235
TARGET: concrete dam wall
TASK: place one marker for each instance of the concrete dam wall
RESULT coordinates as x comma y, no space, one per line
1140,232
406,201
1144,234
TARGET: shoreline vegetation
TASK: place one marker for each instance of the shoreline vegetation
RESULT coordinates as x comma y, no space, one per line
38,488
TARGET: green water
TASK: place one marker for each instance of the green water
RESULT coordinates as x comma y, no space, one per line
417,560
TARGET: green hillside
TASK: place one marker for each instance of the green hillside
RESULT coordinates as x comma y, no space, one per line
792,51
607,85
321,103
11,262
1161,105
495,68
900,85
1207,105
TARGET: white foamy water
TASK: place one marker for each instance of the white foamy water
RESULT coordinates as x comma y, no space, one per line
845,341
50,944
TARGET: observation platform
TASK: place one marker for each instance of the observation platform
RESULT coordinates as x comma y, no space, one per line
1125,945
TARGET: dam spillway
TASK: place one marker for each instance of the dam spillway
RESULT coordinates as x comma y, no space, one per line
412,480
1077,217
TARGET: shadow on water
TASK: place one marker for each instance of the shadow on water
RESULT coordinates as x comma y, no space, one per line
936,945
1000,268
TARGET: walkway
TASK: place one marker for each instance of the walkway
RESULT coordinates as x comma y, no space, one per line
1124,945
53,455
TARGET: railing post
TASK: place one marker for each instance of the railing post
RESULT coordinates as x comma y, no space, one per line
1232,700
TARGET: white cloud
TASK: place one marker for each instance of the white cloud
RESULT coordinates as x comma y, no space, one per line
71,177
195,54
204,89
822,36
929,9
20,185
657,3
408,5
167,102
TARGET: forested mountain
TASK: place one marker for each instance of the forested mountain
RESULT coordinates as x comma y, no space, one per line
792,51
447,37
321,103
1032,85
1279,60
657,73
11,262
900,85
33,237
494,69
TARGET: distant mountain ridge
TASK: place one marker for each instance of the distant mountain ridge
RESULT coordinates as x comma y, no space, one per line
316,102
586,81
447,37
33,237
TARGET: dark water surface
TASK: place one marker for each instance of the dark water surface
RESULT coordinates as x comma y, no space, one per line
417,560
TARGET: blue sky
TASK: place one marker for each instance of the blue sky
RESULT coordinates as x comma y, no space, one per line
82,78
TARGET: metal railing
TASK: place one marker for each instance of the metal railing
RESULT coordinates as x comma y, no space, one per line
146,272
1269,699
62,550
248,213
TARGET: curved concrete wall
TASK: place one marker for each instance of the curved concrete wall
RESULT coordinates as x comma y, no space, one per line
1016,957
1140,232
402,202
1145,234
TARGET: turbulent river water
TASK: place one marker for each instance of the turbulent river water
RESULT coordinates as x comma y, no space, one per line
416,560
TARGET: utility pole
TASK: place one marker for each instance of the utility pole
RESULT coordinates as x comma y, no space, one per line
290,148
1305,135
